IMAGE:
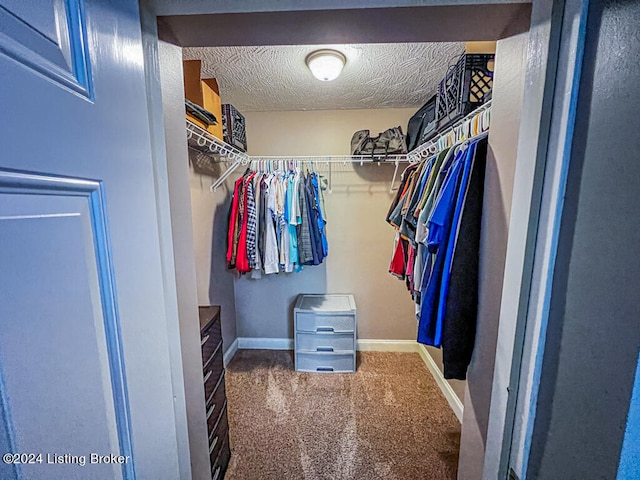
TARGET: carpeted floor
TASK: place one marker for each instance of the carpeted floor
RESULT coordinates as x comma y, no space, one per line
387,421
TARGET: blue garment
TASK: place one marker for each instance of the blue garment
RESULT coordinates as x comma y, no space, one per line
321,221
287,195
451,242
439,228
290,202
314,232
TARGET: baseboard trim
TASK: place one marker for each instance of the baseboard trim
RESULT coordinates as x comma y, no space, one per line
231,351
454,402
255,343
375,345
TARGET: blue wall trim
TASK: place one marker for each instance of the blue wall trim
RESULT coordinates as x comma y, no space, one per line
21,182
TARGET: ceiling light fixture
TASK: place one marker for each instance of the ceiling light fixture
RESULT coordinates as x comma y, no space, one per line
326,65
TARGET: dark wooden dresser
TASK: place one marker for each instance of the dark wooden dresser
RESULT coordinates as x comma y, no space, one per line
214,391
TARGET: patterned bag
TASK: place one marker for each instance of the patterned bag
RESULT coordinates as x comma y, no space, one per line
389,142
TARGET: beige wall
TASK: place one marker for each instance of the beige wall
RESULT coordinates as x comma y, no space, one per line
506,110
360,241
209,211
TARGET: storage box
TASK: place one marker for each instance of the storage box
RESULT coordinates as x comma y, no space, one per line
325,333
466,86
234,127
203,92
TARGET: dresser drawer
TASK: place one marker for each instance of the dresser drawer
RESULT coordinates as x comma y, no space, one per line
325,342
219,466
215,400
210,346
210,383
210,322
216,461
215,365
310,322
218,435
325,362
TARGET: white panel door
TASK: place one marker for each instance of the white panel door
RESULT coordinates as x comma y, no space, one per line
85,384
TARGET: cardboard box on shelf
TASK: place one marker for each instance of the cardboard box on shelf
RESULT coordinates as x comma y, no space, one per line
203,92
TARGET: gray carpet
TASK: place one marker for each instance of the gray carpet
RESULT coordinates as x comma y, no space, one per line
387,421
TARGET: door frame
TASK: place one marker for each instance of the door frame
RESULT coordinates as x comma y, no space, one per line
529,266
570,19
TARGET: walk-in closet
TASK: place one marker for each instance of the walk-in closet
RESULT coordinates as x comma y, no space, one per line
253,239
407,411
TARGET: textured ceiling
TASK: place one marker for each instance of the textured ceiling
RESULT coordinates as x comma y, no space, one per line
375,76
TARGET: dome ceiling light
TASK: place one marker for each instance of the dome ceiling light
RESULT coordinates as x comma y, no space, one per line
326,65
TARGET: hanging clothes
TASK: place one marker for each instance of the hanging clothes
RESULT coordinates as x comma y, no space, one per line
429,331
399,258
319,202
437,215
270,254
394,216
459,329
292,218
256,263
234,232
436,177
277,222
252,224
304,234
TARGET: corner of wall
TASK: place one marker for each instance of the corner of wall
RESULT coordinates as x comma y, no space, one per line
174,135
506,112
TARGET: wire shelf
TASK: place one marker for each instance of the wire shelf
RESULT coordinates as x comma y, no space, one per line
464,129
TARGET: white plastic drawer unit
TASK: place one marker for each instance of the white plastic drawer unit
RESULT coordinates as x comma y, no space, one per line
325,333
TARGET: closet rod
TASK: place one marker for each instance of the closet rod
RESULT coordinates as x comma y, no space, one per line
335,158
427,148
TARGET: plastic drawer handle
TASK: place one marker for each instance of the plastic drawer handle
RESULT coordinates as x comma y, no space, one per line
324,349
324,369
324,329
